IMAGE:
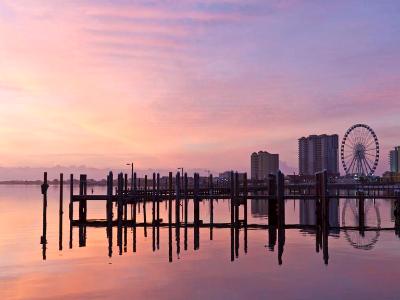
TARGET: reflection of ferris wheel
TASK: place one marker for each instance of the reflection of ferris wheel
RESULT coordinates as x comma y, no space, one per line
360,150
368,239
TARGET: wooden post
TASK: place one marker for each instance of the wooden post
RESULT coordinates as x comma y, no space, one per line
186,209
280,190
177,213
272,212
71,195
232,192
170,198
120,209
153,199
158,197
61,212
158,210
109,205
196,213
177,198
245,195
82,210
211,193
237,199
134,182
322,184
43,239
71,207
144,206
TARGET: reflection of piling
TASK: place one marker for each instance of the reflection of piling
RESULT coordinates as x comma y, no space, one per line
43,239
361,212
61,212
396,212
272,210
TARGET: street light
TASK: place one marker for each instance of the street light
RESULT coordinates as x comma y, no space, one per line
131,164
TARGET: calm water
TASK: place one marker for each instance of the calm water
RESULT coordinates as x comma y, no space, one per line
359,267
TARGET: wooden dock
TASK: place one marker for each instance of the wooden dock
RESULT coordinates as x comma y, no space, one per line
177,191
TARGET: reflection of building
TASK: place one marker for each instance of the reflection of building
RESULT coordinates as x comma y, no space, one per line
394,159
263,163
317,153
259,208
308,212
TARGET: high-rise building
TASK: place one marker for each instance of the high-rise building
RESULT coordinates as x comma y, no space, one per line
317,153
394,159
263,163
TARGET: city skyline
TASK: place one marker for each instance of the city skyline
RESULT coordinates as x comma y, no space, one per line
167,84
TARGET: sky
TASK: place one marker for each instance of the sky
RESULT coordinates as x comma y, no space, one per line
192,83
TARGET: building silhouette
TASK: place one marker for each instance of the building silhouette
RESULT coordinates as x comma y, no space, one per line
263,163
318,153
394,160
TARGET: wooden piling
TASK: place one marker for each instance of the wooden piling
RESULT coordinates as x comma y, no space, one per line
170,197
43,239
186,210
153,199
61,212
396,212
211,195
177,198
109,208
280,190
120,210
144,205
71,195
245,195
196,211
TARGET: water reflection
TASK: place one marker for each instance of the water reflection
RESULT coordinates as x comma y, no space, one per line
363,236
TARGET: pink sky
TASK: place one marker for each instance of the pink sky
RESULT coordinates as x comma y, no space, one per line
198,84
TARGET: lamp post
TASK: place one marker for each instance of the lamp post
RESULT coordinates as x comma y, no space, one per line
131,164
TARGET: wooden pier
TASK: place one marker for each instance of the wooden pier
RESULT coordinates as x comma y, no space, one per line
177,191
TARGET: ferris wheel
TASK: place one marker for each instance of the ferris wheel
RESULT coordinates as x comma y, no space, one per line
360,150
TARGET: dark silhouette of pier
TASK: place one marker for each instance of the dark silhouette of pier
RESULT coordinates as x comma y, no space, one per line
177,192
